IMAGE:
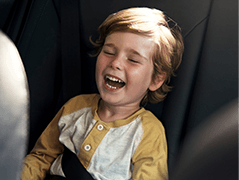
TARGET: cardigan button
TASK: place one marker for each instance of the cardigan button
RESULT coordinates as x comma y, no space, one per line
100,127
87,147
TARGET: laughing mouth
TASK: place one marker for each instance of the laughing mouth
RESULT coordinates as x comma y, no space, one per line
114,83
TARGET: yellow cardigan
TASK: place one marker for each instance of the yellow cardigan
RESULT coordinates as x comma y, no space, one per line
133,148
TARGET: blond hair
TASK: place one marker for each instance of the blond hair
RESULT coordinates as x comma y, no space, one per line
154,24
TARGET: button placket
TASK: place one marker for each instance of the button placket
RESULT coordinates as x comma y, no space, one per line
88,147
91,142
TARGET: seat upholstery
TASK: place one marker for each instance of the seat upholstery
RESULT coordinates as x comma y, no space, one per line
206,79
210,150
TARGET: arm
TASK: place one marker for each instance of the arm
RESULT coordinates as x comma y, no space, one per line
37,164
150,158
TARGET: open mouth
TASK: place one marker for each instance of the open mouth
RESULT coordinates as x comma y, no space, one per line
114,83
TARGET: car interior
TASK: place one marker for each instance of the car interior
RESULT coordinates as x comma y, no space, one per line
45,60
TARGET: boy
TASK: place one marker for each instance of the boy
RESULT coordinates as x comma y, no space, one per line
112,135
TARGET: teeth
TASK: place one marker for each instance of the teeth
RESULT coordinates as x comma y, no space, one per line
111,86
114,79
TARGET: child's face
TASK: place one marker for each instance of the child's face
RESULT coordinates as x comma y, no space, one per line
124,68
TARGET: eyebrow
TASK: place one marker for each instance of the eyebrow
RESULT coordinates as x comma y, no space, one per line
109,44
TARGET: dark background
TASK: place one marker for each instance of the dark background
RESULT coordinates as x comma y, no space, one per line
54,46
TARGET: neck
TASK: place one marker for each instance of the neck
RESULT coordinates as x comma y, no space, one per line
111,113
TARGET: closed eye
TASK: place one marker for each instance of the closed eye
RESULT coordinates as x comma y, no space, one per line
109,53
134,61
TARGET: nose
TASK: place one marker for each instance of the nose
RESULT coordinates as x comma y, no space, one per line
117,63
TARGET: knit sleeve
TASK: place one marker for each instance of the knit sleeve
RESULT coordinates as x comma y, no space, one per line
37,164
150,158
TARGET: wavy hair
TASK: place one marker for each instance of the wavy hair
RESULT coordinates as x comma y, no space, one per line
154,24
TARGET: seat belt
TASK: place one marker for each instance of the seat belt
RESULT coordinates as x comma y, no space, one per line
72,167
70,49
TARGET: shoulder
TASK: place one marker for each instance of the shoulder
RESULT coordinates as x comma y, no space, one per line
151,123
81,101
153,142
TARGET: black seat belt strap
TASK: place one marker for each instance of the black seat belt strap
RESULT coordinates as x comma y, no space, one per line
70,48
72,167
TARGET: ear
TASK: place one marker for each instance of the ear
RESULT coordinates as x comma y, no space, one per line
157,82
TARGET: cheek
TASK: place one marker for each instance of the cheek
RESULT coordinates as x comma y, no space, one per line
141,76
99,64
98,69
102,60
